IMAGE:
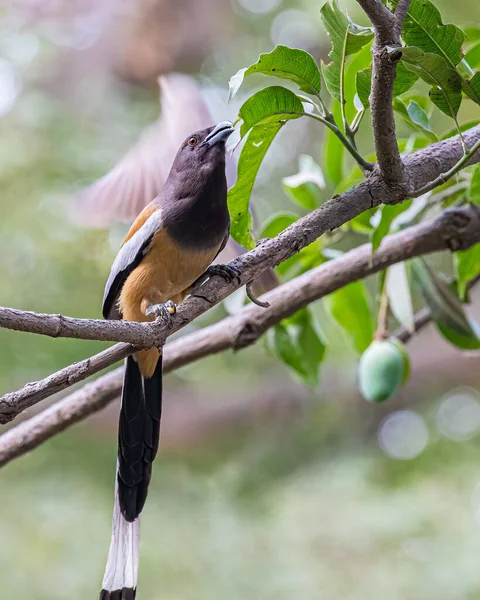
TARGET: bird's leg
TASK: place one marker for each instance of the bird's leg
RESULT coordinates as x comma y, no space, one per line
162,311
226,272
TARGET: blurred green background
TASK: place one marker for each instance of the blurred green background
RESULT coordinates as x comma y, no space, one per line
263,489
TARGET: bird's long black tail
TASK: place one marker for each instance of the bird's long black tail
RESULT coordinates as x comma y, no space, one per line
138,436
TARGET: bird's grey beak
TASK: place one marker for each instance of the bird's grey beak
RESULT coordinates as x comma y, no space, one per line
220,133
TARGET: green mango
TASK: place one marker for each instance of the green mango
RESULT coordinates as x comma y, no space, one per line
382,369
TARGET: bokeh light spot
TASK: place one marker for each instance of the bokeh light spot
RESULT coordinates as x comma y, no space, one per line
261,7
9,86
403,435
458,417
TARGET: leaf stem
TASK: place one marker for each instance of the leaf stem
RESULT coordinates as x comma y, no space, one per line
329,122
443,177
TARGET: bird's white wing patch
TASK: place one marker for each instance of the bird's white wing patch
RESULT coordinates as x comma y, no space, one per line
129,256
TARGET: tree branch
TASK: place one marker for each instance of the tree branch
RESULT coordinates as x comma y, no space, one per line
387,36
378,14
400,14
142,335
453,228
423,167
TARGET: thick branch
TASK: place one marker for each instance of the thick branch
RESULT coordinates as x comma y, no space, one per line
387,36
453,229
423,166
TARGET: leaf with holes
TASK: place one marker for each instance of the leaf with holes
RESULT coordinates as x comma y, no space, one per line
423,28
287,63
347,38
270,105
251,157
432,68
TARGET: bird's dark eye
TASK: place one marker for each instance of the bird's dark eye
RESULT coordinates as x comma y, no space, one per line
192,141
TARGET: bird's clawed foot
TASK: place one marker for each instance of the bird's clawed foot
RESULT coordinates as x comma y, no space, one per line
226,272
162,311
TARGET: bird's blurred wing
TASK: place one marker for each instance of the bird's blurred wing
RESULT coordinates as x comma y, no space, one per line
139,176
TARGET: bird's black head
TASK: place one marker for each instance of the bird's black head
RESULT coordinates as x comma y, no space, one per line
194,198
204,148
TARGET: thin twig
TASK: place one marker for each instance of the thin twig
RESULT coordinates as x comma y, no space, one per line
329,122
444,177
400,15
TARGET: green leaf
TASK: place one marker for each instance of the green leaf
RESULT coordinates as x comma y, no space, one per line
445,307
297,342
287,63
406,114
471,87
418,115
276,223
432,68
350,308
251,157
301,260
399,296
364,86
473,34
333,149
404,79
347,38
474,190
467,267
447,103
305,187
472,57
389,212
423,28
269,105
454,130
